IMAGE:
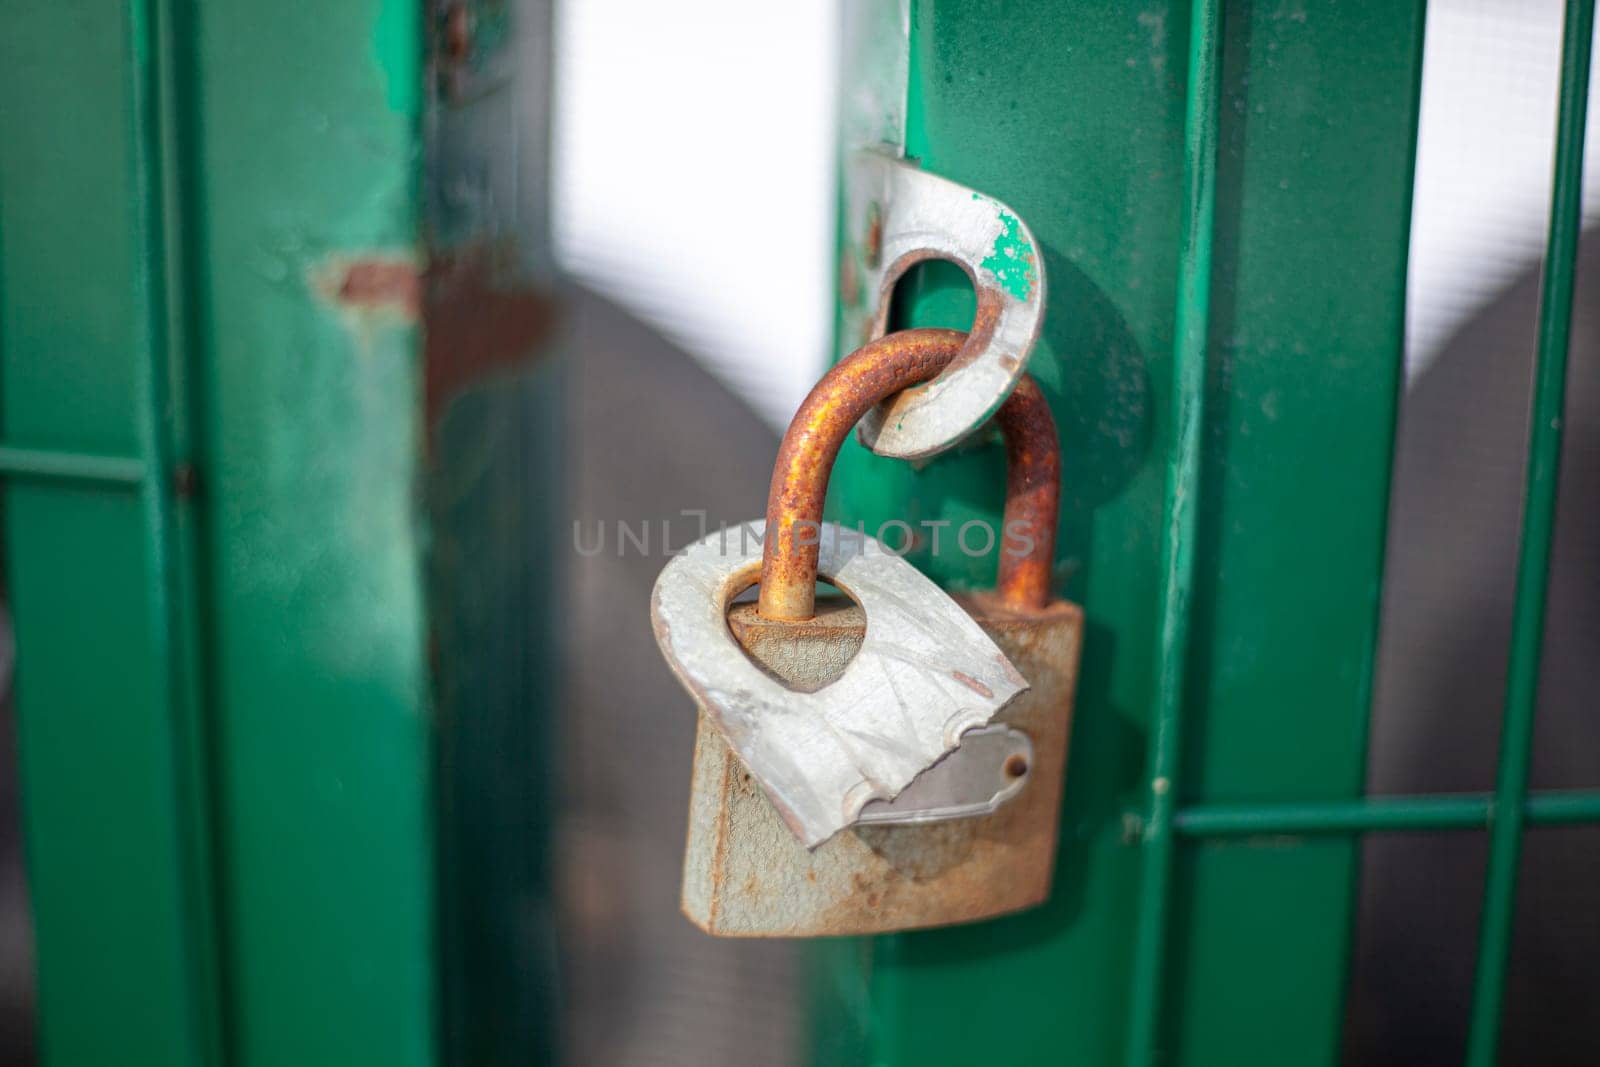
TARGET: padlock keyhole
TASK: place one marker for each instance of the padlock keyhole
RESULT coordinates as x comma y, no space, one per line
804,656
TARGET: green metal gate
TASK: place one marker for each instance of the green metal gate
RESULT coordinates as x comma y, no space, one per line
212,438
1225,481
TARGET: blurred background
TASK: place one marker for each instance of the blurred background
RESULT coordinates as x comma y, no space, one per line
684,372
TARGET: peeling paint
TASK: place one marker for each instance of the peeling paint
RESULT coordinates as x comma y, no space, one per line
381,284
395,33
1011,261
474,327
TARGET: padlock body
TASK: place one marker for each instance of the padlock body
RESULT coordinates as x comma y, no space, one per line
746,875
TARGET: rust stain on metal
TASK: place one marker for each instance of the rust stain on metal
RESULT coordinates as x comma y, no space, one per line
474,325
763,883
849,279
458,32
866,377
185,481
872,240
477,327
380,284
985,319
972,683
815,651
744,872
805,458
1033,496
848,391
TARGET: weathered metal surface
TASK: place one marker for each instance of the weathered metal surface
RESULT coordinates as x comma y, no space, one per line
746,876
482,319
300,142
984,773
823,422
229,840
483,322
493,398
1073,114
903,216
805,458
924,675
1033,498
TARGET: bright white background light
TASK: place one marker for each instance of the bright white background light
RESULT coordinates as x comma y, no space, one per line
693,178
694,169
1486,142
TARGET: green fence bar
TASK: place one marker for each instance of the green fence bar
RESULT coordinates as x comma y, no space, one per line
169,524
45,465
1191,325
1564,808
99,575
1466,811
1538,528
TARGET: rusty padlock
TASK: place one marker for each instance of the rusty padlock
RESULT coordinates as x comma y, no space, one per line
911,861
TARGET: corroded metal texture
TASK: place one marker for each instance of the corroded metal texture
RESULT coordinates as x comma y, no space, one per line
480,323
924,675
1033,495
829,412
898,215
856,383
745,875
377,283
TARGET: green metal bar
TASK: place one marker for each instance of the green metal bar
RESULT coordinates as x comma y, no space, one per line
165,434
304,164
1192,322
1336,817
1564,808
1538,529
52,466
86,374
1466,811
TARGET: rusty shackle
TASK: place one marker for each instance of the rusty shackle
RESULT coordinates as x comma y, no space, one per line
866,377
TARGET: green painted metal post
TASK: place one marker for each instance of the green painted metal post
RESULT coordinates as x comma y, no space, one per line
99,540
299,143
1191,327
236,317
1075,115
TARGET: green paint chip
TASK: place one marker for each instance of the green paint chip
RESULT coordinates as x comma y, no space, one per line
1011,260
396,34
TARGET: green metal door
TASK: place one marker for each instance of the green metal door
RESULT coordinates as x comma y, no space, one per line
264,581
